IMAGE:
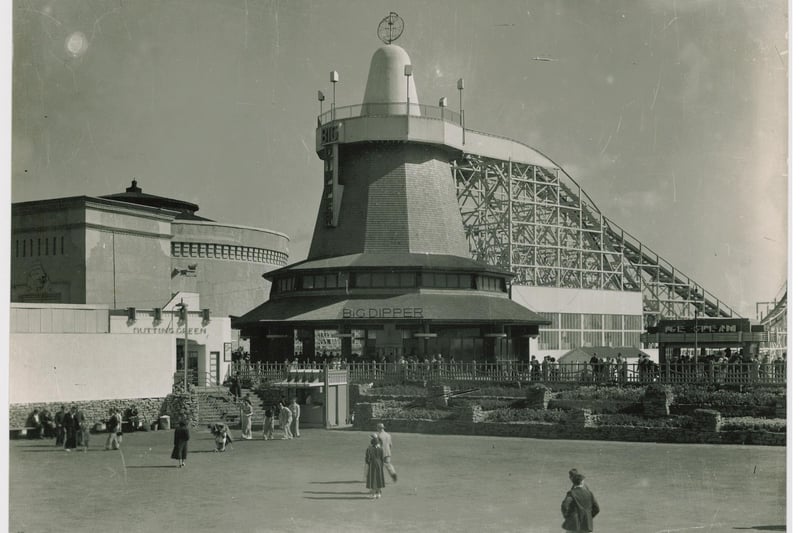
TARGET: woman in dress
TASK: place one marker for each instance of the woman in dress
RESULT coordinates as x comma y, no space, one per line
374,462
247,418
180,446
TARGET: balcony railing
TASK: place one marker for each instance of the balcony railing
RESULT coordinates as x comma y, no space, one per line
702,373
390,109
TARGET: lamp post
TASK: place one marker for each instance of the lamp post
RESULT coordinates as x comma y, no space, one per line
321,98
407,70
460,86
334,81
183,313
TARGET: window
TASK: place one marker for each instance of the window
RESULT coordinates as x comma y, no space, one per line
194,250
440,281
592,338
570,321
308,282
427,279
633,323
592,321
464,281
392,279
330,281
632,339
548,340
408,279
570,339
362,279
613,321
24,246
613,338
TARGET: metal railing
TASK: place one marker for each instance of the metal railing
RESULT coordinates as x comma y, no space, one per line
390,109
700,373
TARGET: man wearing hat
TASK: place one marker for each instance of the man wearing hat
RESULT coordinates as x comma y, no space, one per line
386,445
579,506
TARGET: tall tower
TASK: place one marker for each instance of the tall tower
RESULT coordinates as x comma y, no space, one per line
389,269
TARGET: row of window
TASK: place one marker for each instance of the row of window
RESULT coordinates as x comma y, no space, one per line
40,246
596,321
229,251
567,340
389,280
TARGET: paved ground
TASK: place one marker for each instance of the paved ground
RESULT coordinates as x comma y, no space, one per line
447,483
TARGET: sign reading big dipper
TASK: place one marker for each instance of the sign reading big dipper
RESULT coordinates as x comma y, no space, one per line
375,269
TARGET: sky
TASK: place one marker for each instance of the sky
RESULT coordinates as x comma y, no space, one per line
671,115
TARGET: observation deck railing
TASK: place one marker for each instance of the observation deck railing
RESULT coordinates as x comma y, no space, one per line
387,109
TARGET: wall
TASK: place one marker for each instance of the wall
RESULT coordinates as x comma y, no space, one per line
66,367
227,286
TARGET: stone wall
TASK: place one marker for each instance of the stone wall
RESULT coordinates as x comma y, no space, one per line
96,410
570,432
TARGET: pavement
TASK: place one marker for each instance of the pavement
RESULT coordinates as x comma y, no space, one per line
446,483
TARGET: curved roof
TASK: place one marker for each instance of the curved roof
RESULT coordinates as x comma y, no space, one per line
134,195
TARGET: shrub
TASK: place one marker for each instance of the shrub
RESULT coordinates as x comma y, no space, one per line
627,394
553,416
487,404
398,390
416,413
749,423
638,421
693,395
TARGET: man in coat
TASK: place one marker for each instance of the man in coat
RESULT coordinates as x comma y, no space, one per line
579,506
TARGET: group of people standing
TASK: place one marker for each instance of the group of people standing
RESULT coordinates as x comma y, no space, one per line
288,420
72,428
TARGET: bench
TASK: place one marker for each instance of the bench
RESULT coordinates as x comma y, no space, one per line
22,431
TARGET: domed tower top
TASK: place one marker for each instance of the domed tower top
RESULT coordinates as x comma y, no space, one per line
387,81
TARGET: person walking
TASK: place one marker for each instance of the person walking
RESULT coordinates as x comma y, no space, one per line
114,427
579,506
373,459
247,418
285,420
386,445
294,407
269,422
180,447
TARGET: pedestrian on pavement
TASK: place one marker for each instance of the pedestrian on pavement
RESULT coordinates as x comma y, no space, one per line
285,420
83,429
59,421
579,506
247,418
295,409
386,445
71,429
269,422
374,467
114,427
180,447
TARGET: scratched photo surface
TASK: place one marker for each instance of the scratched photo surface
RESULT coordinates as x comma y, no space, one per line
672,116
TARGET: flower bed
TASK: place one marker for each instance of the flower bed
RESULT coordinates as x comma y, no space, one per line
749,423
527,415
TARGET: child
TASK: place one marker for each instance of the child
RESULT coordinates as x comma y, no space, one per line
269,423
181,444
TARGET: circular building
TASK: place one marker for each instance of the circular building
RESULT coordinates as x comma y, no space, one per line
389,270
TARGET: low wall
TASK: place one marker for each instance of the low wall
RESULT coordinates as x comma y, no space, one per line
569,432
96,410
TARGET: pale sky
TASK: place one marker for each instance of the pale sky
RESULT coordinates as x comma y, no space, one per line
672,115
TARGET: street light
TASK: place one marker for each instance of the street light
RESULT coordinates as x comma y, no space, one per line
321,98
334,81
183,314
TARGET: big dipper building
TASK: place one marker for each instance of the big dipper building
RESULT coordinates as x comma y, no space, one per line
389,264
